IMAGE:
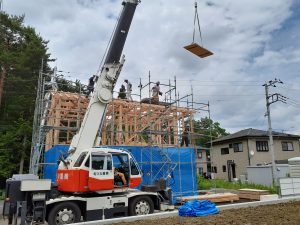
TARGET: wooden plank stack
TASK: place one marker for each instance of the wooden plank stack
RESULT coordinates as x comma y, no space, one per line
216,198
253,194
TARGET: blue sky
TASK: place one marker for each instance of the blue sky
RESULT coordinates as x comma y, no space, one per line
254,41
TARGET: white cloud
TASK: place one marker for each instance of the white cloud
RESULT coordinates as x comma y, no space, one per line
240,33
282,58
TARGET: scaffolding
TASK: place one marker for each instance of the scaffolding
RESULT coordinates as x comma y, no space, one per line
141,124
59,115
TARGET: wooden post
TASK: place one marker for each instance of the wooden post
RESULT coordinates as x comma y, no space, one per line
124,122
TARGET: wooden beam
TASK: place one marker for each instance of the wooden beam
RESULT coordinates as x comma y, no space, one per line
125,122
225,197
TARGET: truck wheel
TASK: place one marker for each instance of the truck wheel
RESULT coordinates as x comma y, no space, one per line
141,205
64,213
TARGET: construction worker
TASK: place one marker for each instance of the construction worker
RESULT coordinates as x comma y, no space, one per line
122,92
156,92
121,175
128,90
90,87
185,137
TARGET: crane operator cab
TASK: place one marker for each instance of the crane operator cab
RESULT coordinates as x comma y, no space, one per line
101,170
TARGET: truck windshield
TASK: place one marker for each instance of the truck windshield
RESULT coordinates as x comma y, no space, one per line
98,162
101,162
80,159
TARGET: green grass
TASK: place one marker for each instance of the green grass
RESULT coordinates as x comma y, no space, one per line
204,184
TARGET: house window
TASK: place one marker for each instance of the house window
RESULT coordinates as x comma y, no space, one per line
287,146
237,147
224,168
262,146
200,171
214,169
224,151
199,153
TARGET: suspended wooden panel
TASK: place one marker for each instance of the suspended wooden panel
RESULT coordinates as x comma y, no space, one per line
198,50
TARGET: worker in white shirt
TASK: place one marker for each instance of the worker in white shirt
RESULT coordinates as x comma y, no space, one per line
128,90
155,92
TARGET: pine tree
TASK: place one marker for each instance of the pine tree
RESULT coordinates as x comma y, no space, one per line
21,52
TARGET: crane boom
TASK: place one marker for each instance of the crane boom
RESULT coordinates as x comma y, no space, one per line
118,41
88,182
107,77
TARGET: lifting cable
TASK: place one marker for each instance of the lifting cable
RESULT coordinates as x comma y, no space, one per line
197,17
194,47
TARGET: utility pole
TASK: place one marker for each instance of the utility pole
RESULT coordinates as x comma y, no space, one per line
269,100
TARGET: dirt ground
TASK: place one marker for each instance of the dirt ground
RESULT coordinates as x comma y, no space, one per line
278,214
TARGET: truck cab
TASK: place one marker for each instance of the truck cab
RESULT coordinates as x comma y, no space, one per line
99,169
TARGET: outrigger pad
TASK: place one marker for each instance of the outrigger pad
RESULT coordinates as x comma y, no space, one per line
198,50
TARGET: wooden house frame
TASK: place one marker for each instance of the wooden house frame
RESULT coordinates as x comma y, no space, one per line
126,122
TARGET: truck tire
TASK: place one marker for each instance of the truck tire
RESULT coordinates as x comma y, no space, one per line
141,205
64,213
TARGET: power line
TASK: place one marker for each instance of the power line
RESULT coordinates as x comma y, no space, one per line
293,100
291,89
230,95
292,104
214,85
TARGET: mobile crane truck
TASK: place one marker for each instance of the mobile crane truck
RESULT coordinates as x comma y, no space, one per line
87,188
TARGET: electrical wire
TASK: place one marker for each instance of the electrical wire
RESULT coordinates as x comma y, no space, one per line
292,104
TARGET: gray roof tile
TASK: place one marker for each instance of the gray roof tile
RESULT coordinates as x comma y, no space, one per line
250,132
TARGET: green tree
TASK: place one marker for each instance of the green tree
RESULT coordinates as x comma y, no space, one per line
21,52
69,86
14,144
207,130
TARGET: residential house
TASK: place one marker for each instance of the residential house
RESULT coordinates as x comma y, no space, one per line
231,154
201,160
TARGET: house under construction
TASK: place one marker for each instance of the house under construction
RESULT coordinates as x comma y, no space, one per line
126,122
152,131
59,115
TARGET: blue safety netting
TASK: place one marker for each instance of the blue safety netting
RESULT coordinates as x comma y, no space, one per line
51,160
198,208
176,165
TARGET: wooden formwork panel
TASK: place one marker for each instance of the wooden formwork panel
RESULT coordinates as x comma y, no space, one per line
198,50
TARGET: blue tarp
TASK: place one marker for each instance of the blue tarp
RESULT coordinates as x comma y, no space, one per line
178,165
198,208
